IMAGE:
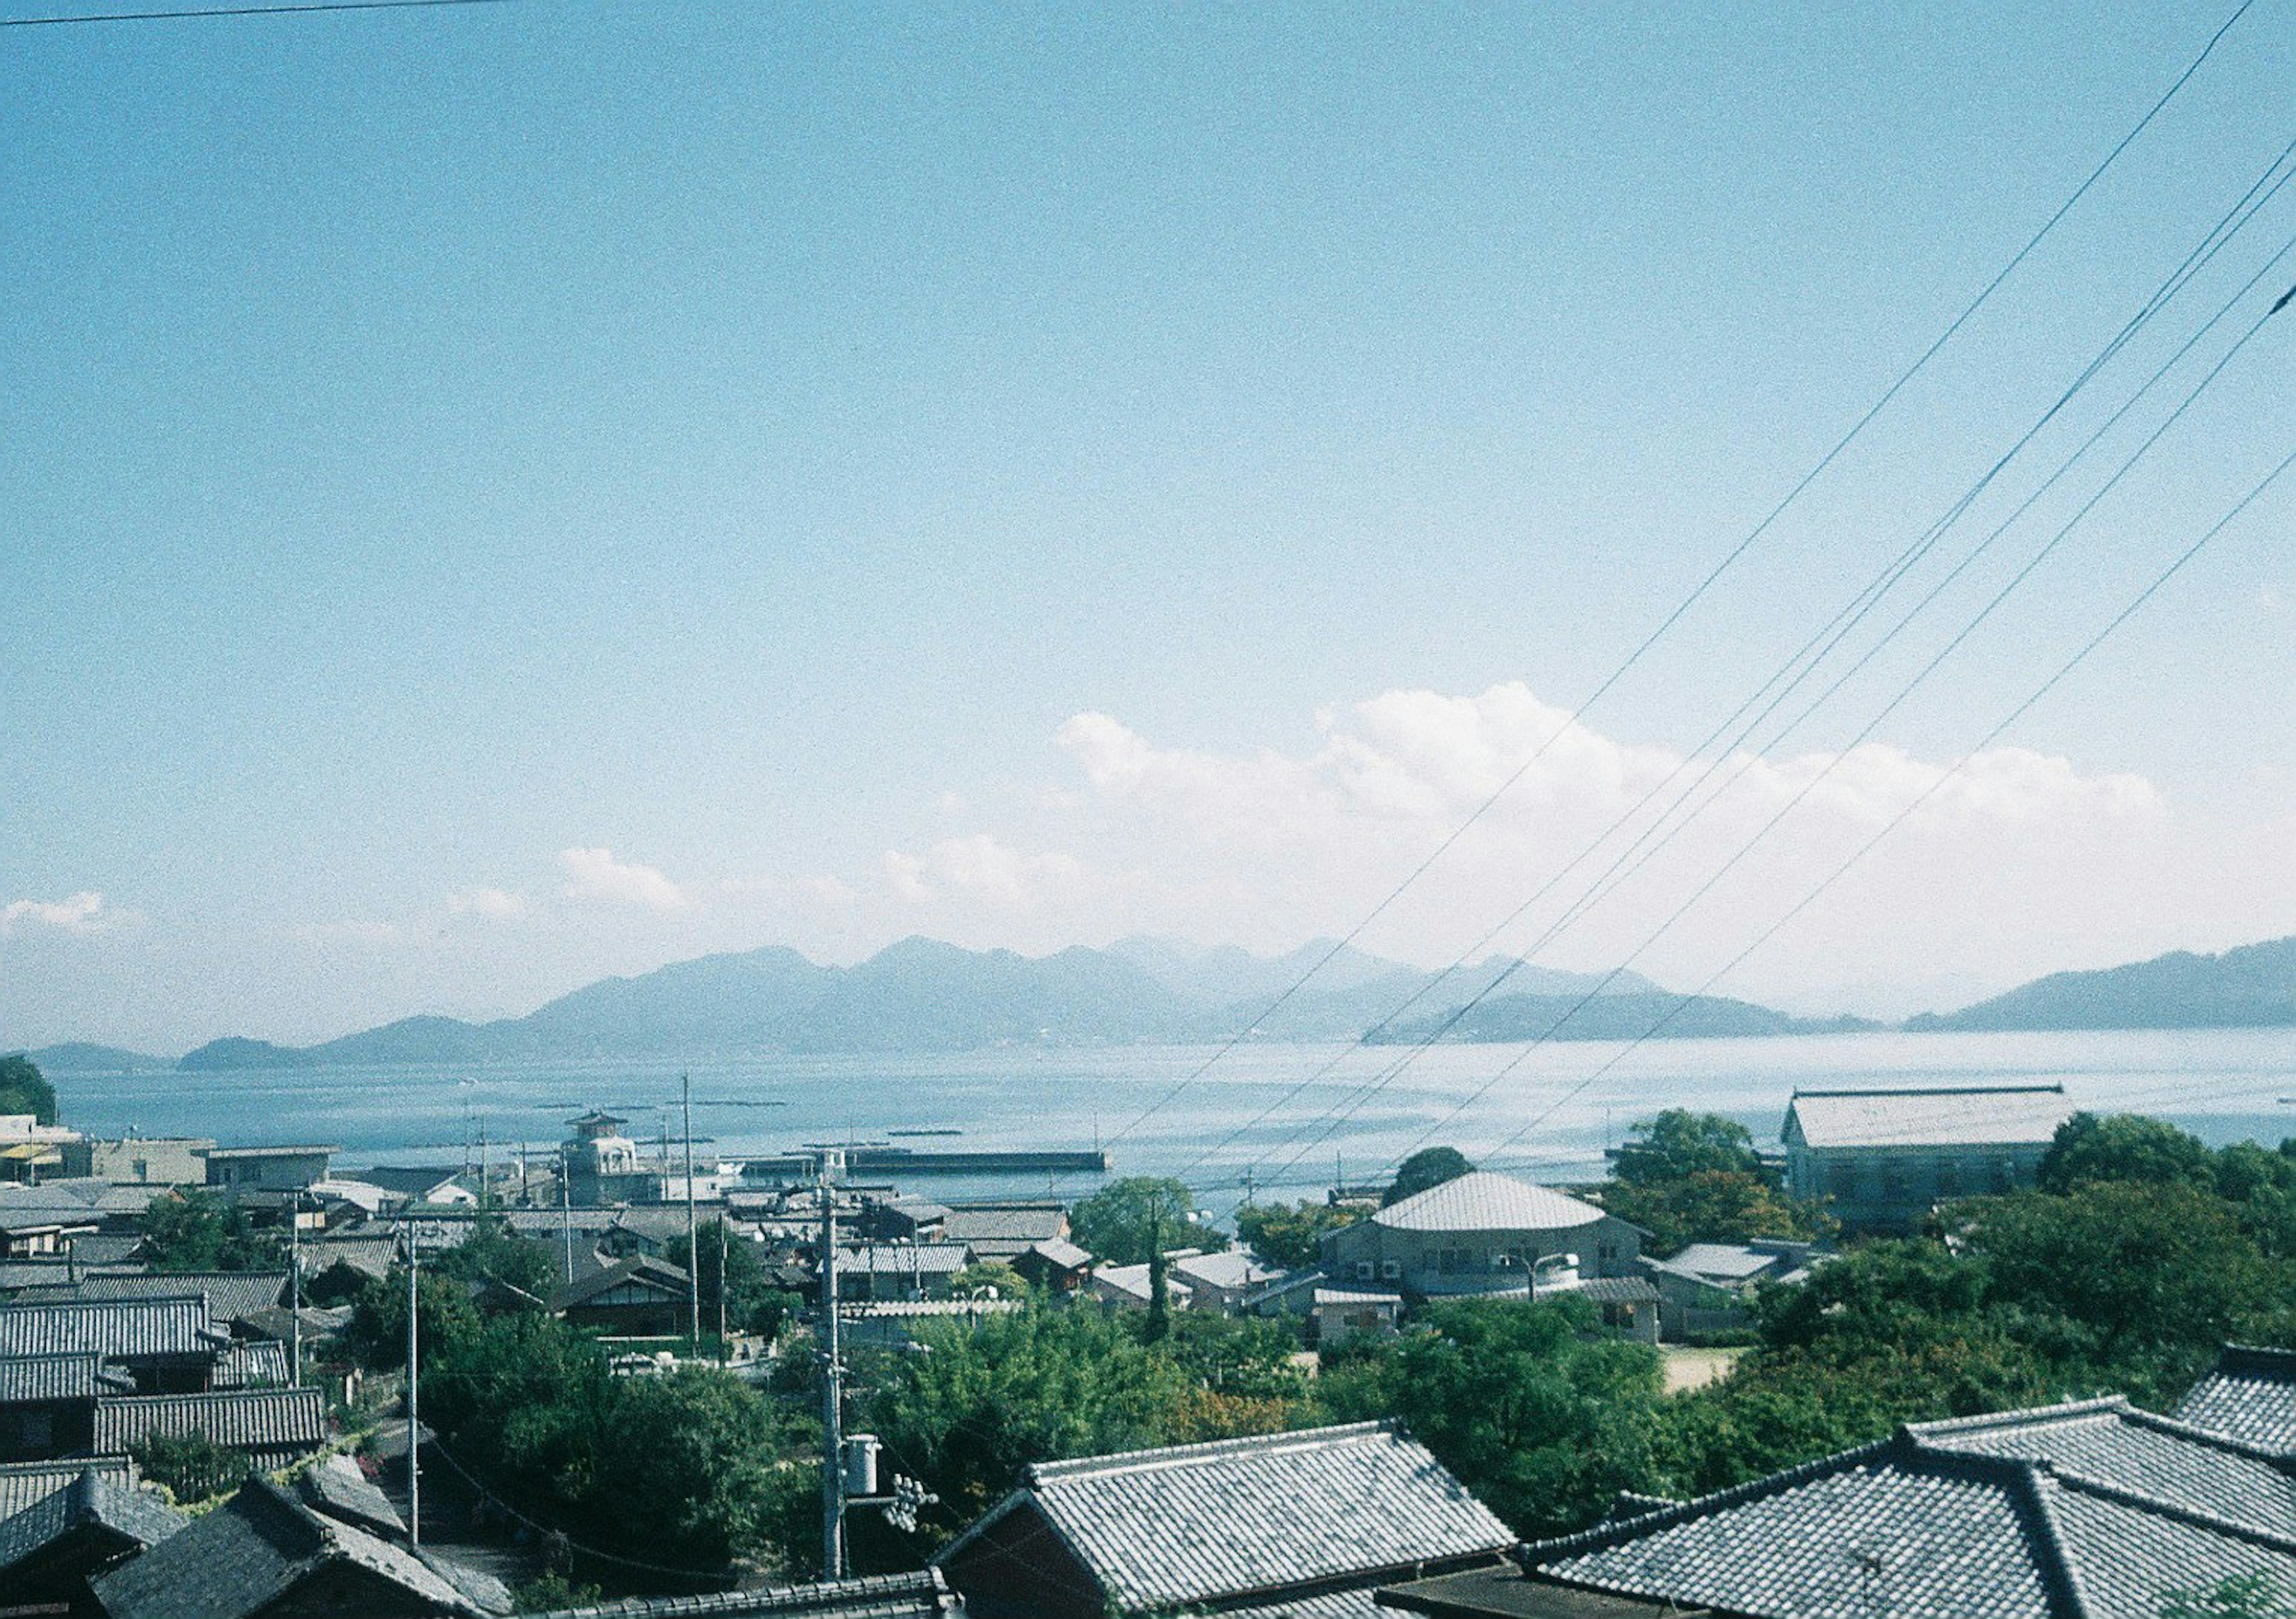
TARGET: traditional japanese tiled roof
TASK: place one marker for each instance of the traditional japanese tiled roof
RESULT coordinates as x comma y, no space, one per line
2090,1511
917,1596
23,1484
1612,1290
259,1363
1968,1115
337,1487
640,1269
1270,1518
2250,1396
231,1295
898,1259
45,1378
96,1498
1482,1201
252,1551
245,1419
1060,1252
999,1233
116,1328
1229,1270
373,1255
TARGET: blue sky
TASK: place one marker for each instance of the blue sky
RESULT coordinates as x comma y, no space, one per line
745,439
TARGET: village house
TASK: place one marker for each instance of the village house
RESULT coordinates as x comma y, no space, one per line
1318,1517
1708,1287
1343,1313
140,1160
52,1549
2250,1396
2090,1508
1055,1264
900,1270
1480,1233
638,1297
1881,1159
268,1169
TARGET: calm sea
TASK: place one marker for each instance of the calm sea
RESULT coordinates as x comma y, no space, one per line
1291,1118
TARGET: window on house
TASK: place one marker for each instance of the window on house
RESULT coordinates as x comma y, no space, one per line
1363,1273
1392,1270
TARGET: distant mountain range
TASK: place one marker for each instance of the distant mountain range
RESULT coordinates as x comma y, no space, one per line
919,995
2250,987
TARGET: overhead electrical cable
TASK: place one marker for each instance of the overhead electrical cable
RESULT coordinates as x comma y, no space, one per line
189,13
1701,587
1806,660
1620,870
1864,734
2183,560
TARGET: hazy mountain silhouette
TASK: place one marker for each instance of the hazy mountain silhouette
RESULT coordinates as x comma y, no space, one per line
2252,986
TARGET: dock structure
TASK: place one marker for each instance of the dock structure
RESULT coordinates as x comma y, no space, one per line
879,1159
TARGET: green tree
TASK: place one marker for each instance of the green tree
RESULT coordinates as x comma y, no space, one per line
1423,1170
24,1089
1291,1238
491,1252
1032,1386
1680,1143
193,1467
375,1336
751,1304
1716,1205
196,1230
1542,1422
1113,1225
995,1273
2123,1147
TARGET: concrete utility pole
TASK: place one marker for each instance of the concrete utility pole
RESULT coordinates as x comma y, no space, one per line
295,1280
413,1396
692,1230
566,1214
832,1383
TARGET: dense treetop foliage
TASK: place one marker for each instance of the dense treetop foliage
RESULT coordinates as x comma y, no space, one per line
1115,1224
24,1089
1424,1171
1291,1238
197,1230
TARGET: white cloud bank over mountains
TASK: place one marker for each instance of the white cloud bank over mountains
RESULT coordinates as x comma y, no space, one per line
2016,862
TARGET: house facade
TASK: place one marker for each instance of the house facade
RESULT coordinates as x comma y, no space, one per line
1881,1159
1480,1233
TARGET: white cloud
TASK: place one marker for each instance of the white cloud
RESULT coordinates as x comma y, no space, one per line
2012,863
494,904
596,874
981,868
80,914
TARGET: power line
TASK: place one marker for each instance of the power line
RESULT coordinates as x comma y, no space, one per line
1906,692
2159,581
240,11
1700,589
2227,227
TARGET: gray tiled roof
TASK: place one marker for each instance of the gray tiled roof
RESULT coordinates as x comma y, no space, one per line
1967,1115
905,1258
917,1596
24,1482
255,1550
231,1295
1238,1517
39,1379
1482,1201
97,1497
249,1419
262,1363
1992,1518
2113,1442
2250,1396
337,1487
119,1330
